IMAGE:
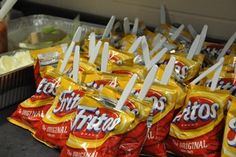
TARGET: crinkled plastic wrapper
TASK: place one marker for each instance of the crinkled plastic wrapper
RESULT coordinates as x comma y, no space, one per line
30,112
97,129
185,69
197,129
55,126
133,140
163,100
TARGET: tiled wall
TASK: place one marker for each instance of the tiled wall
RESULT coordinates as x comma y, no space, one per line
220,15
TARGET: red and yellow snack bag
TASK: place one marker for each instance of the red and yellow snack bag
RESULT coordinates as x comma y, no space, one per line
185,69
56,124
30,112
97,129
229,139
196,130
163,98
132,141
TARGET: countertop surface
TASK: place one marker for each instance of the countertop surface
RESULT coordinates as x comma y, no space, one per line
18,142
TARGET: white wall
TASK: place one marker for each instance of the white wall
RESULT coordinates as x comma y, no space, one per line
220,15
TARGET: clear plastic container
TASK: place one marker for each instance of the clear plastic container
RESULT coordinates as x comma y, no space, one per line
20,29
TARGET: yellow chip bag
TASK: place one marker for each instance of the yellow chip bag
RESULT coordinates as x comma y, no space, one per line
196,130
97,129
185,69
132,141
30,112
55,126
163,98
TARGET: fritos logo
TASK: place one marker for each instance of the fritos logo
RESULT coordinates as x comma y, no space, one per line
198,112
181,70
214,50
69,71
159,101
99,84
225,84
131,107
231,136
115,58
91,122
47,86
68,102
